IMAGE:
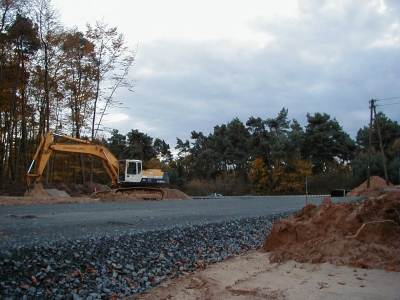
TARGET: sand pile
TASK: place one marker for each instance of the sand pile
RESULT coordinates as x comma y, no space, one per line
169,194
115,197
362,234
77,190
378,187
175,194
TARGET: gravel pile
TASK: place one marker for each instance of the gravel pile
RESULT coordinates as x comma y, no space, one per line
113,267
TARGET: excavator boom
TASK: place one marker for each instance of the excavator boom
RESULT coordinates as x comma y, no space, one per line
47,146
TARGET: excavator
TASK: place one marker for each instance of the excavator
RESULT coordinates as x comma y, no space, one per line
127,175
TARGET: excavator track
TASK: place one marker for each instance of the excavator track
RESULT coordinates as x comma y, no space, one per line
142,193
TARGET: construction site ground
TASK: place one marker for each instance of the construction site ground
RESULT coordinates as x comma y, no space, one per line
332,251
13,194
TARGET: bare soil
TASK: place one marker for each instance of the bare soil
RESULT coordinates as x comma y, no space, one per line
360,235
377,187
13,194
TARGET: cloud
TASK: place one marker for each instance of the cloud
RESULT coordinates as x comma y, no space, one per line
327,56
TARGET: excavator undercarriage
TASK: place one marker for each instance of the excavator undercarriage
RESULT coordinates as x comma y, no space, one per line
143,193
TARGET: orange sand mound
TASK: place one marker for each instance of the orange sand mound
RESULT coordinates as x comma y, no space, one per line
364,235
377,187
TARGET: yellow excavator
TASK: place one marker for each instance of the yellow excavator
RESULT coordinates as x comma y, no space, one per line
127,175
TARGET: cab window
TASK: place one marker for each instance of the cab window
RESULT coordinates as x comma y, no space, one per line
122,171
132,168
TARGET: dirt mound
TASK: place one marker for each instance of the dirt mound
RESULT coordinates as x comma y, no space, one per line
174,194
169,194
377,187
363,235
18,188
115,197
77,190
87,189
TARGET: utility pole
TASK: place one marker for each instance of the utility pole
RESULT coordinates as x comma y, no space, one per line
306,190
381,147
373,110
371,106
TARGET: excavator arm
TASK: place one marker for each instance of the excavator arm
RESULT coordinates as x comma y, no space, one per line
47,146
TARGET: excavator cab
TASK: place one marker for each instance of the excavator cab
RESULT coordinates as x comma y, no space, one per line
130,171
131,174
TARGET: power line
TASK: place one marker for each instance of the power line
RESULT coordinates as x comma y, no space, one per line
388,99
387,104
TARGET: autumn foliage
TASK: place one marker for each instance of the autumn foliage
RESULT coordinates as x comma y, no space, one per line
286,177
259,177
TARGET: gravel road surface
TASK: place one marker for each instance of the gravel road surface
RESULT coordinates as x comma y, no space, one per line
117,250
31,224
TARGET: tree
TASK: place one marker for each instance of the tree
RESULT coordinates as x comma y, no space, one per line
390,131
79,79
116,143
163,151
78,85
295,140
289,177
183,147
259,140
202,157
112,63
180,167
280,141
259,177
325,142
219,142
237,147
23,38
222,152
275,139
279,124
50,61
278,136
139,146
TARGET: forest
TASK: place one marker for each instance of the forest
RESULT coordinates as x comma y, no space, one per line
62,80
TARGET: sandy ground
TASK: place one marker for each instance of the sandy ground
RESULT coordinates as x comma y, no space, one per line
252,276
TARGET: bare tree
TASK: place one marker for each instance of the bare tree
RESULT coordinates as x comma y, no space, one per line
78,84
50,59
113,60
112,63
9,9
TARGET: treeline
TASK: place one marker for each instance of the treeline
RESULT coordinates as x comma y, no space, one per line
53,78
268,156
61,80
275,155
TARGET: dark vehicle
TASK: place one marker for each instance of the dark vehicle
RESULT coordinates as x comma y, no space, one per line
339,193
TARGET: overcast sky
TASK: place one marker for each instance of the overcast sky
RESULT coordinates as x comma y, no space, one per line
203,63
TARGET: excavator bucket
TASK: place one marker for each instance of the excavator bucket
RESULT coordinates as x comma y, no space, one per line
38,191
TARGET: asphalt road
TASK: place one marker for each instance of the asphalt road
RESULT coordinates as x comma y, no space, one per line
24,225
